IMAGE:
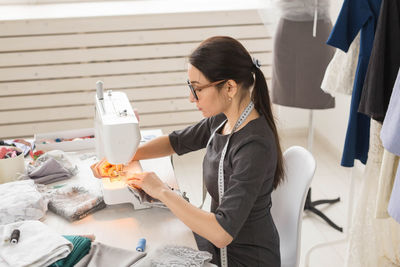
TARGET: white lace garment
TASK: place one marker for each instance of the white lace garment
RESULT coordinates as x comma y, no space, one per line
372,242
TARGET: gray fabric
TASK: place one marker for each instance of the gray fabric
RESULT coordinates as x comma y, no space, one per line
49,171
299,64
180,256
51,167
101,255
249,168
73,202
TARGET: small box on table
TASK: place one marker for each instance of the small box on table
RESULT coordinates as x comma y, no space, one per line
72,140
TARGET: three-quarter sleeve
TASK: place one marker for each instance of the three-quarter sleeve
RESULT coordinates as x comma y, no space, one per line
253,168
352,17
194,137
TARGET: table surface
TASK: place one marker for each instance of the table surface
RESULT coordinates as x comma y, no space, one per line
120,225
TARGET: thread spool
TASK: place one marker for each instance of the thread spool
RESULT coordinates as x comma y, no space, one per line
14,236
141,245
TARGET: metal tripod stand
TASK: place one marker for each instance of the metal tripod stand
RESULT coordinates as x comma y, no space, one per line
311,205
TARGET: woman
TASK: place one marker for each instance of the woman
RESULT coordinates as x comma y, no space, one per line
221,75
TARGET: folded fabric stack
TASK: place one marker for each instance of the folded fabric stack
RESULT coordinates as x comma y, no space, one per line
50,167
81,247
38,245
73,202
21,200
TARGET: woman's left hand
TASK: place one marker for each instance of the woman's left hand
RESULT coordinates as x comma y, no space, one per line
149,182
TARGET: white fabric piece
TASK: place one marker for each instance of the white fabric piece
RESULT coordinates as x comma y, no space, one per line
19,201
386,180
372,242
38,245
341,71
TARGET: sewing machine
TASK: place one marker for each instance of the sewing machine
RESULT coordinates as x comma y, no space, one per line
117,139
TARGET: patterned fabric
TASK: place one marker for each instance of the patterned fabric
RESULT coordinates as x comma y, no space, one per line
372,242
340,73
73,202
180,256
19,201
146,199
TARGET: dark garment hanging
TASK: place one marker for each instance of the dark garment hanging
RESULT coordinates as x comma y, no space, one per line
384,62
354,16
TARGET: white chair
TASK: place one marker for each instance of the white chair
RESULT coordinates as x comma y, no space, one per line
288,202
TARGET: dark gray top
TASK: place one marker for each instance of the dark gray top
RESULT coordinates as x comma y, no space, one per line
249,168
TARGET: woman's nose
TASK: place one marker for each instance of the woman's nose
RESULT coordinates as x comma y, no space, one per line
192,99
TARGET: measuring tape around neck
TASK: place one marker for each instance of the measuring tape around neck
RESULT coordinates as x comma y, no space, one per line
242,118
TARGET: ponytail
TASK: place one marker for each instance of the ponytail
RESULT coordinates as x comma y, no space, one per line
262,104
237,65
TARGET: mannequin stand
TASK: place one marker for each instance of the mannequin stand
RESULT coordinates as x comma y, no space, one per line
349,207
311,205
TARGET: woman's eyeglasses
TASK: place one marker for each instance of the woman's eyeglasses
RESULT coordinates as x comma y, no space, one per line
193,90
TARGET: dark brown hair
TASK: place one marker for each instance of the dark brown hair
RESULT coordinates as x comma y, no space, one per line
224,58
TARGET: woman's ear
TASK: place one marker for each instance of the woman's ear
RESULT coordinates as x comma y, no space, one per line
232,88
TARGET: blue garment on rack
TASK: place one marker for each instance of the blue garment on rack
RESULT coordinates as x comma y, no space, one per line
354,16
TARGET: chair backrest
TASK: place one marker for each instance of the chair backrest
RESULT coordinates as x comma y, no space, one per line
288,202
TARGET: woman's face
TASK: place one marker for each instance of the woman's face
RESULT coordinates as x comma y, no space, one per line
210,101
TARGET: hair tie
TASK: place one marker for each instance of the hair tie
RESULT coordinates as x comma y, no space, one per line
256,63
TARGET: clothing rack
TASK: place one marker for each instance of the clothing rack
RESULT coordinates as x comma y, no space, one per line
349,207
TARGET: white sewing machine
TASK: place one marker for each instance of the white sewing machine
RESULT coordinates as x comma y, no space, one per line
117,139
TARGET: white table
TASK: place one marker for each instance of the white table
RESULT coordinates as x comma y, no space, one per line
120,225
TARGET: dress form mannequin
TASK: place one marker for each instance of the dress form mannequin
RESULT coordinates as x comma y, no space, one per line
300,59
